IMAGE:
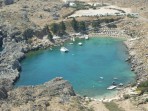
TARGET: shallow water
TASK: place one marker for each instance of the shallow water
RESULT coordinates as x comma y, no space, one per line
82,66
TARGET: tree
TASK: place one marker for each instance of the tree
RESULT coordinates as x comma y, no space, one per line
62,27
74,24
54,28
50,37
94,25
112,26
112,20
82,26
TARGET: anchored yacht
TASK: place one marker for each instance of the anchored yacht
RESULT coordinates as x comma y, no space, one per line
64,49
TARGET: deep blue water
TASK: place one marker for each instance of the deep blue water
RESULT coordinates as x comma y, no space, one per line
1,49
82,66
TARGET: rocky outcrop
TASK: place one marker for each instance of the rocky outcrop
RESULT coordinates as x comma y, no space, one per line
8,2
55,95
9,59
137,65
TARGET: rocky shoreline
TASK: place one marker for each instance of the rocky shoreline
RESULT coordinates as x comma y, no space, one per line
14,52
42,97
136,64
10,67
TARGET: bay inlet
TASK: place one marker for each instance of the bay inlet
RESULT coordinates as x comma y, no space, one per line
90,68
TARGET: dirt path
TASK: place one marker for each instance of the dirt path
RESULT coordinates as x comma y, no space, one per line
128,106
98,106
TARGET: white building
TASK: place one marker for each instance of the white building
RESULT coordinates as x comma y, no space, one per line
68,1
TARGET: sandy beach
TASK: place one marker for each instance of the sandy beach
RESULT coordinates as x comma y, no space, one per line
102,11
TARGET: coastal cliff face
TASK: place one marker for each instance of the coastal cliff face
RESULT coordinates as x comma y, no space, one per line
55,95
9,59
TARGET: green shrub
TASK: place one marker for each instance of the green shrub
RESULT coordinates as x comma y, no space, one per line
133,84
126,96
146,100
143,86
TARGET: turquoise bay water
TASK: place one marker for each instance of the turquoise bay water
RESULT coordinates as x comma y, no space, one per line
82,66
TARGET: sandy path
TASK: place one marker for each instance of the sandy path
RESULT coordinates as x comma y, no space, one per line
98,106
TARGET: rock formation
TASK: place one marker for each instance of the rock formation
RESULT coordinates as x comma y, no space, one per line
55,95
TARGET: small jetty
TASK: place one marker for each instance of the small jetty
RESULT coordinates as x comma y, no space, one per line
111,87
64,49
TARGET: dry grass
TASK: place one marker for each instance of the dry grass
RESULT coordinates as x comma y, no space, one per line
113,106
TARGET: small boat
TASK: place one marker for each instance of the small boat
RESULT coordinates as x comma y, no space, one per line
64,49
80,43
101,78
111,87
86,37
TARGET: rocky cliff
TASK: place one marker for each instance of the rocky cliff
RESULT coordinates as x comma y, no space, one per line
55,95
9,61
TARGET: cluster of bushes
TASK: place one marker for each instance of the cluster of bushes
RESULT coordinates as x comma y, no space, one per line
126,96
78,26
81,26
80,5
58,29
143,86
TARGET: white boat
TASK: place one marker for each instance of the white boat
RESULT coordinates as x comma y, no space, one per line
64,49
111,87
80,43
86,37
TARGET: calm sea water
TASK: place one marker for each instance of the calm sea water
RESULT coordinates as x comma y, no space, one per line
82,66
